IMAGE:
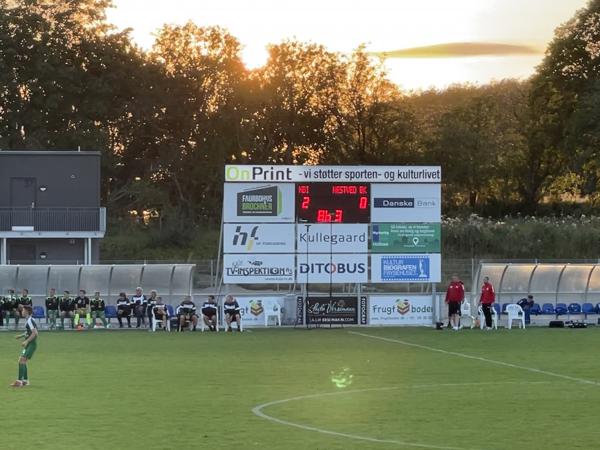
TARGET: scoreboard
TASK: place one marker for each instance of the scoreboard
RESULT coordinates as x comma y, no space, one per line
331,224
333,203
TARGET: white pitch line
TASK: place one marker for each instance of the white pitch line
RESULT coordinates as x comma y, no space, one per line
479,358
258,411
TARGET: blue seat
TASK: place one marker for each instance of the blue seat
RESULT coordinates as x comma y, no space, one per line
548,308
110,311
497,308
574,308
561,309
170,310
588,308
535,309
504,306
38,312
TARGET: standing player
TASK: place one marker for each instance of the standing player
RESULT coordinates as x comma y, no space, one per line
52,302
97,305
231,308
22,301
82,308
455,295
29,346
186,313
152,301
66,307
487,299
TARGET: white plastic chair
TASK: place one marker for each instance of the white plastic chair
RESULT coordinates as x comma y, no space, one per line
515,312
203,325
482,318
465,312
271,309
156,322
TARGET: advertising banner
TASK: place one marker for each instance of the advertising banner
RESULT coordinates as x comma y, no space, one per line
335,268
408,268
401,310
259,238
252,309
332,238
254,202
259,269
405,238
405,203
346,310
342,174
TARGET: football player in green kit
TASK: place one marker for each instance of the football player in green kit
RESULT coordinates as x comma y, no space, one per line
52,302
97,305
29,347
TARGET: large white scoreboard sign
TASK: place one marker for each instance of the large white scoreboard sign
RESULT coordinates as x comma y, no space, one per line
320,224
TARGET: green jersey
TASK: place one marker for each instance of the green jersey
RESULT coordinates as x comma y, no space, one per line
52,303
24,301
97,304
67,304
29,326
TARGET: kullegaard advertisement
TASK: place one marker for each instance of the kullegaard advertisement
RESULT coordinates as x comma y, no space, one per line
336,310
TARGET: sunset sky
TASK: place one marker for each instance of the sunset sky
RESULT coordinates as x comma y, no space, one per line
521,27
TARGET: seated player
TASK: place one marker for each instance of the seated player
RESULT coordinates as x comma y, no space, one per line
67,309
209,313
9,306
123,309
160,311
232,312
97,308
186,313
52,302
139,303
82,308
152,300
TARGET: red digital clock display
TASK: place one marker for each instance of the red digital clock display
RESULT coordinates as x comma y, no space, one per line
333,203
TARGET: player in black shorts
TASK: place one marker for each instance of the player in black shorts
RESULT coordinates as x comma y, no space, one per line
209,313
186,313
232,312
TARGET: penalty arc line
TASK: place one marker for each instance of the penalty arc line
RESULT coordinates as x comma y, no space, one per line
258,411
479,358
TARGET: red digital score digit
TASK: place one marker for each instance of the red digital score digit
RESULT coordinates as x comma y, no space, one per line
323,216
305,202
362,203
338,217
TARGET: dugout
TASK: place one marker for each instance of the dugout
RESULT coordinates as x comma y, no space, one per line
172,281
549,283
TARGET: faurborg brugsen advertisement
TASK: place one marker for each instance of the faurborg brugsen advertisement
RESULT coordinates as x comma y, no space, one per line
247,202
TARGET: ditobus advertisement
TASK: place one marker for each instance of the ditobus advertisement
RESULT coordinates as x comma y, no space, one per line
334,268
255,202
401,310
253,309
259,269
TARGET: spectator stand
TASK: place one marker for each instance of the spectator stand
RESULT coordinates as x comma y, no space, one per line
559,289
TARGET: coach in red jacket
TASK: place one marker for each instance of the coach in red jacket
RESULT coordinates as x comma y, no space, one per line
487,299
455,295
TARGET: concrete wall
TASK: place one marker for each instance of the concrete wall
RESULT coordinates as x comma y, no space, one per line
58,251
71,179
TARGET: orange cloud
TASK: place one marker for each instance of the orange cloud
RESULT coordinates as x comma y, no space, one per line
461,50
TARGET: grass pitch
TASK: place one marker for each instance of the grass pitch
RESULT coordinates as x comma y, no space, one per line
532,389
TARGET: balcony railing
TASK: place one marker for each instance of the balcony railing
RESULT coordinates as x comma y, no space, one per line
53,219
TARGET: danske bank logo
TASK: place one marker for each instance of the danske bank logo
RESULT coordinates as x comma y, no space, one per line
265,201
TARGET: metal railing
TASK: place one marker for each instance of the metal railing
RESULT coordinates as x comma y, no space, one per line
53,219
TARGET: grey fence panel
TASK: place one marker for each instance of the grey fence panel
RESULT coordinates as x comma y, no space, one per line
64,278
95,278
8,278
125,278
593,293
573,283
157,277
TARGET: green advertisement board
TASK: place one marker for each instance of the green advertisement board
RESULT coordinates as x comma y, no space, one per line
405,238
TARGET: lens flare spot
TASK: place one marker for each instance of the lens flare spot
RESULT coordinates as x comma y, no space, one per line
342,379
